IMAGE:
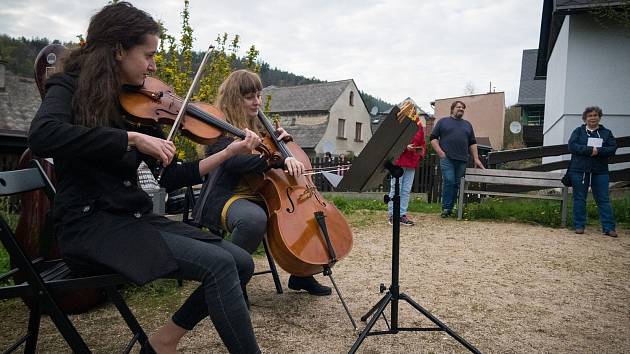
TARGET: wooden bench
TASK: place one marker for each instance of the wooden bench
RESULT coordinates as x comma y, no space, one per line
541,180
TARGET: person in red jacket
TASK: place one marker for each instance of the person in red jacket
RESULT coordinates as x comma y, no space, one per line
408,160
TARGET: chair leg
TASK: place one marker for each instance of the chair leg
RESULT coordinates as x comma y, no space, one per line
127,315
34,319
272,267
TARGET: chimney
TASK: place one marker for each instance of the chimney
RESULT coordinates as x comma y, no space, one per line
2,75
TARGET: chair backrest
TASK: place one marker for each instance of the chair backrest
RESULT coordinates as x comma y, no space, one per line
25,180
17,182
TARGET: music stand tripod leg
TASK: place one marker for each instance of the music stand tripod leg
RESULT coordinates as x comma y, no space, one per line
378,311
377,305
439,323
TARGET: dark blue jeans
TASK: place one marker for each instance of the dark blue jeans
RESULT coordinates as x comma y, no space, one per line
452,172
222,268
599,186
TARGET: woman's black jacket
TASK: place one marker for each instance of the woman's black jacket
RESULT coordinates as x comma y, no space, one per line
101,215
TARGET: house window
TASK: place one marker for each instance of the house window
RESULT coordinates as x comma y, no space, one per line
352,98
357,132
341,128
534,116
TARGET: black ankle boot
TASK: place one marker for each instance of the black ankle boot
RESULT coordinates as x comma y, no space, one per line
309,284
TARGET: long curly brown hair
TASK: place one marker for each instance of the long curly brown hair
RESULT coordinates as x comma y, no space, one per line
230,99
115,27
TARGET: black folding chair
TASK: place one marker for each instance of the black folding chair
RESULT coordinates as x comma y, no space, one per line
44,278
189,203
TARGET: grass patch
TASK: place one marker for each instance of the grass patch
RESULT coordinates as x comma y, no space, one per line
4,262
349,206
543,212
160,293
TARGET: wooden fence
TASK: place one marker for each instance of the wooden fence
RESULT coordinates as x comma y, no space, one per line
497,159
428,178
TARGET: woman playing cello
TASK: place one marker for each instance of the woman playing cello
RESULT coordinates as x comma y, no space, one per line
102,218
230,203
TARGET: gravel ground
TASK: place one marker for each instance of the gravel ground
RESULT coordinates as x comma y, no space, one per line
503,287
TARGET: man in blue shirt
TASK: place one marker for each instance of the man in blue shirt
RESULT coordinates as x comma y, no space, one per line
453,139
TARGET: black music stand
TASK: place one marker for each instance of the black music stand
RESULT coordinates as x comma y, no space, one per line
387,143
368,171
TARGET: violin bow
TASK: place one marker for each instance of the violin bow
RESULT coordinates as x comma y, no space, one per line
182,110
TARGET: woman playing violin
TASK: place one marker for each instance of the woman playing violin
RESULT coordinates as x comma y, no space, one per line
103,220
230,205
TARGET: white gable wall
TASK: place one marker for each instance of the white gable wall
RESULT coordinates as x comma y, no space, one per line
589,65
342,109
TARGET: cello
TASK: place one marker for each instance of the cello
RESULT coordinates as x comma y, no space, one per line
34,228
306,233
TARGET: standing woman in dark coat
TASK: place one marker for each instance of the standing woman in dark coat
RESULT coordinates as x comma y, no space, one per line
101,216
590,145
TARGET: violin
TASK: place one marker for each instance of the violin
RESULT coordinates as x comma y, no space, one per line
156,103
306,234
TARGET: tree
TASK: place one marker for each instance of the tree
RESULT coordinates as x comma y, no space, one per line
175,67
219,67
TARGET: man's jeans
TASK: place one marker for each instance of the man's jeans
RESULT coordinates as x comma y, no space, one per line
599,186
452,172
406,182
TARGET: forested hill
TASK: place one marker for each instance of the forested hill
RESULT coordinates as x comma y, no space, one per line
19,55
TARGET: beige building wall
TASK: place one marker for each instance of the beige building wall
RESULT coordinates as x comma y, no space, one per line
353,114
486,113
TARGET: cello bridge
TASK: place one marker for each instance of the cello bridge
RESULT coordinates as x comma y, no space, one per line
308,192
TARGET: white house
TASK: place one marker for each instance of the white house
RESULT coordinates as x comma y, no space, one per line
322,117
585,59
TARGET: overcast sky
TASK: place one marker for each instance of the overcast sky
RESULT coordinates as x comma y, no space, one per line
393,49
